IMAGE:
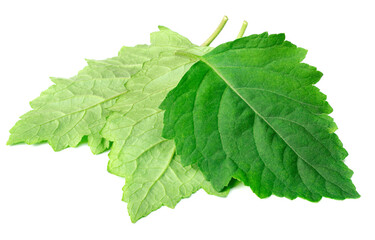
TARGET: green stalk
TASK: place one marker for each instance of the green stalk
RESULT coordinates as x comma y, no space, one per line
216,32
242,30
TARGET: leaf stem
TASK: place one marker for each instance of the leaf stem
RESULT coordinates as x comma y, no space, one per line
242,30
216,32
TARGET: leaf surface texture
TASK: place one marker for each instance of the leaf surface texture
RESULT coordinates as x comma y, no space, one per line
249,109
154,174
75,108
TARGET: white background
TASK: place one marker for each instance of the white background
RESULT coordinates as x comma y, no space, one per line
70,195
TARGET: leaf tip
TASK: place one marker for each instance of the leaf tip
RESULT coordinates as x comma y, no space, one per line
356,195
134,219
9,142
163,28
89,61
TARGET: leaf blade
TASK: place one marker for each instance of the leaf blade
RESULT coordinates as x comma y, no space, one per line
154,174
76,108
260,77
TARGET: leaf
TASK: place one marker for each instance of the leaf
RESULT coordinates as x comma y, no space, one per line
154,174
75,108
248,109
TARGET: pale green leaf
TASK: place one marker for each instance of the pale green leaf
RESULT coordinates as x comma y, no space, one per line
76,108
154,174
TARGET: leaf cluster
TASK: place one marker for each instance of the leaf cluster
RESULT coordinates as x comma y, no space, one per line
177,117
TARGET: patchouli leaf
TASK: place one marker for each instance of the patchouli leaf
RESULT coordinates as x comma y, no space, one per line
154,174
249,109
77,107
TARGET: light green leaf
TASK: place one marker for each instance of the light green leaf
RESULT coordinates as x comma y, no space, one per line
248,109
76,108
154,174
161,180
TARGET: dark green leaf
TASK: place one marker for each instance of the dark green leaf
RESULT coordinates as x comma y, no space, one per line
249,110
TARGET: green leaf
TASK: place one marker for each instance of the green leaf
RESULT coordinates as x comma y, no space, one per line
161,180
76,108
248,109
154,174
